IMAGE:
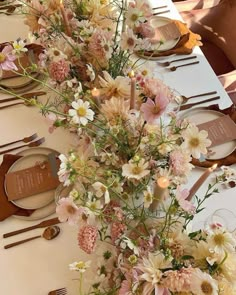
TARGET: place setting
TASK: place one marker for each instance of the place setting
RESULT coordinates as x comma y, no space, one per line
29,181
141,162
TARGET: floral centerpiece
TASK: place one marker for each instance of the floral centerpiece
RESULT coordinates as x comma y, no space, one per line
133,153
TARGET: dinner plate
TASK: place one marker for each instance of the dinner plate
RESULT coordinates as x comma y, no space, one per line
18,81
50,208
158,21
35,201
202,115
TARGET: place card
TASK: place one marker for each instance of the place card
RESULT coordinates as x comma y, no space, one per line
220,130
31,181
167,32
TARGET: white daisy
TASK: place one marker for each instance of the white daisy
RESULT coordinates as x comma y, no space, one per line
55,54
128,40
134,170
203,284
221,241
19,47
80,266
81,113
134,17
195,141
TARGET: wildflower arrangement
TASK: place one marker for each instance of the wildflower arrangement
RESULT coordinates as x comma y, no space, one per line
127,171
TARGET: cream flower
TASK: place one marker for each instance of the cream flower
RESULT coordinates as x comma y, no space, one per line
81,113
203,284
151,267
101,190
128,40
55,54
19,47
135,170
221,241
118,87
64,171
80,266
134,17
147,198
115,108
195,141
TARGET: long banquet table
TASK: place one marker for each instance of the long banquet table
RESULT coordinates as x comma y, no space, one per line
39,266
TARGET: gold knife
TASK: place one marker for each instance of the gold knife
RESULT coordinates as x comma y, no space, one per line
189,105
44,223
26,95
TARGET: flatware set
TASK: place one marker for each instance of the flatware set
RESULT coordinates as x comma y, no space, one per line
25,139
185,98
49,233
167,63
190,105
42,224
31,144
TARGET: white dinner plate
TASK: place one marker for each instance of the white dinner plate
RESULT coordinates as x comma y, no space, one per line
35,201
18,82
159,21
202,115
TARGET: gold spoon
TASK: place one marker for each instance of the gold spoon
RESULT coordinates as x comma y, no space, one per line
48,234
175,68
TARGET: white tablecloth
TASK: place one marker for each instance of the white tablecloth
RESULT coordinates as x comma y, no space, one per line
40,266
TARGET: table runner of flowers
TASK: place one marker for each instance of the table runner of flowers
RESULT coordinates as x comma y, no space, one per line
133,152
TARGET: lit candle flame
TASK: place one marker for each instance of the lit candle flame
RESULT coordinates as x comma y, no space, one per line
163,182
95,92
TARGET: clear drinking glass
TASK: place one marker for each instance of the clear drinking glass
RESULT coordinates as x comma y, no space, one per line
224,217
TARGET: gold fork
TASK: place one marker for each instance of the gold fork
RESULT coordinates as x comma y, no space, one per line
25,139
31,144
61,291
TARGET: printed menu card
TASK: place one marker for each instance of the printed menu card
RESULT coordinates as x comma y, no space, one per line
220,130
31,181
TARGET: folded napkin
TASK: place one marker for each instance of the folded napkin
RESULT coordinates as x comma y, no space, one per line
185,45
230,159
26,60
7,208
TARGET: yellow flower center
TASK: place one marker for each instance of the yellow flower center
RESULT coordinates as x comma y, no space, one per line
136,170
2,57
194,142
71,209
148,197
17,46
219,239
206,288
132,259
144,72
134,17
156,109
93,206
80,265
81,111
